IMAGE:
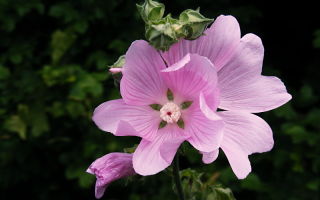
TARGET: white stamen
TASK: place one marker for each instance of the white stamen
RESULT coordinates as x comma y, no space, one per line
170,112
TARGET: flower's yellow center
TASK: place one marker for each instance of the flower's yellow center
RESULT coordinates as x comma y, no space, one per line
170,112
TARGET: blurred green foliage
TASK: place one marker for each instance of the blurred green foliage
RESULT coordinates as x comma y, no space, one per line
53,73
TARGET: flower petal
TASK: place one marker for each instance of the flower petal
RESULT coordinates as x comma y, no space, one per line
210,157
154,156
190,76
241,85
141,83
218,43
244,134
205,134
124,120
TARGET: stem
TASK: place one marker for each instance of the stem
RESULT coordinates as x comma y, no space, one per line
176,177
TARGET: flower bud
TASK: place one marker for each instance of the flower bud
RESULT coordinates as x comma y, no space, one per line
151,11
117,66
161,34
193,23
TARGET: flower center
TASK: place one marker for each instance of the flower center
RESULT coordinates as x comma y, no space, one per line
170,112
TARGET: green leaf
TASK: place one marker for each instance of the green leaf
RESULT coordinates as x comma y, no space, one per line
15,124
61,41
4,73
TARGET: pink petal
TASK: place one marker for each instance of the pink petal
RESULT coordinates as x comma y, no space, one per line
208,158
154,156
241,85
244,134
209,112
190,76
124,120
141,83
218,43
205,134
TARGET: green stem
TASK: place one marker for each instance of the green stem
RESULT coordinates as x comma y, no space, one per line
176,177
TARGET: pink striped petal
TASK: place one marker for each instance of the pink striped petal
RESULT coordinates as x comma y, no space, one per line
218,43
210,157
125,120
244,134
205,134
190,76
154,156
141,83
241,85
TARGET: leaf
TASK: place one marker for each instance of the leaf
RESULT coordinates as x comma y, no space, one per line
4,73
61,41
15,124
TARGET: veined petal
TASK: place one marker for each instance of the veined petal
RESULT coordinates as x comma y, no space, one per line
241,85
124,120
154,156
205,134
209,157
244,134
208,111
190,76
141,83
218,43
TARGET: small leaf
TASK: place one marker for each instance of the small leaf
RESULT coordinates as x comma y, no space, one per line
156,106
180,123
16,124
186,105
162,124
169,95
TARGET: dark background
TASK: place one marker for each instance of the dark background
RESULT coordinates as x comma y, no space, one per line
53,74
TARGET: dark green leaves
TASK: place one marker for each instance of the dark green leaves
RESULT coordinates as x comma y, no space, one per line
196,187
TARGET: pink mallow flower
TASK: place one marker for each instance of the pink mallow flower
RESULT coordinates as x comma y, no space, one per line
173,97
109,168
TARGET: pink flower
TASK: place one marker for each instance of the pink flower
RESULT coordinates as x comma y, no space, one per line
173,97
243,90
163,106
109,168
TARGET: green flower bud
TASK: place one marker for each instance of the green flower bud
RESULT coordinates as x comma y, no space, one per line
151,11
194,23
161,34
117,66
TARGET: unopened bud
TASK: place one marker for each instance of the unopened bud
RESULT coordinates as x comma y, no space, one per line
117,66
162,34
193,23
151,11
